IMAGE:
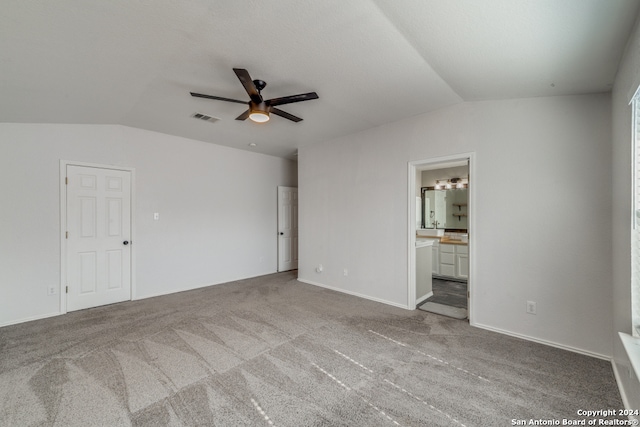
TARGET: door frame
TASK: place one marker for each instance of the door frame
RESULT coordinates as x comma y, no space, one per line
413,168
63,225
278,228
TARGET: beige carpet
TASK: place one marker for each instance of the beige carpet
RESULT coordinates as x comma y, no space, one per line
273,351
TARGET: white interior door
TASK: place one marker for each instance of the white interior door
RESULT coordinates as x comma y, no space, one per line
98,219
287,228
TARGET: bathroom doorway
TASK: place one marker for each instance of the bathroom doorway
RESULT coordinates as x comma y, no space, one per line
441,212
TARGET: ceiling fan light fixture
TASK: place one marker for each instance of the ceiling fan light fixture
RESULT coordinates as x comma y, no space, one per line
259,113
259,116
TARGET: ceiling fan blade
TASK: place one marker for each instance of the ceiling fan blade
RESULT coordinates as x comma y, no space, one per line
245,79
243,116
219,98
286,115
293,98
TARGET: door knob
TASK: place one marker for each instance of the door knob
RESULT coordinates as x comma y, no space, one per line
126,242
281,233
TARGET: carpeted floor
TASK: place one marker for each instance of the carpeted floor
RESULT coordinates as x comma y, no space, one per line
274,351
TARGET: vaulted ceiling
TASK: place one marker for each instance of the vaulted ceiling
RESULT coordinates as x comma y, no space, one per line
134,62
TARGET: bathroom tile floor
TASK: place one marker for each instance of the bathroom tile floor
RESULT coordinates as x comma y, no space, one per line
449,292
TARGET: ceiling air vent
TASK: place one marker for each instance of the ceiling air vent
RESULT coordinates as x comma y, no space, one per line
204,117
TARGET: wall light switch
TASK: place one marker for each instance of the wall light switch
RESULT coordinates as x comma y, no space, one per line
531,307
156,216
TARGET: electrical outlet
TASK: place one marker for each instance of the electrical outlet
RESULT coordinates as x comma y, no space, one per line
345,272
51,290
531,307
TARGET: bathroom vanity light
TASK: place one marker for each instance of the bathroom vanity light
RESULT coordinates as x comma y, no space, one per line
462,183
451,183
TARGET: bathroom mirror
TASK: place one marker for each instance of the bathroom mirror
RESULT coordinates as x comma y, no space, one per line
444,208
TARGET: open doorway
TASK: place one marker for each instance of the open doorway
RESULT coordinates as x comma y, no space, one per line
441,217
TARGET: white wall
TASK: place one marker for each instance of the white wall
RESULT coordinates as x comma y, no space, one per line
542,186
217,205
627,80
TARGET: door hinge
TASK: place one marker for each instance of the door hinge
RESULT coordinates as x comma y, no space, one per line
66,290
468,294
66,180
66,234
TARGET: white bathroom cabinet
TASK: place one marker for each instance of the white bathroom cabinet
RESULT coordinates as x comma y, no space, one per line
448,260
452,261
462,262
435,258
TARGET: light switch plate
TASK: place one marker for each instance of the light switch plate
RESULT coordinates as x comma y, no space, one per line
531,307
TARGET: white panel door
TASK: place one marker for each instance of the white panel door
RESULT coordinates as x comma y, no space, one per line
287,228
462,266
98,236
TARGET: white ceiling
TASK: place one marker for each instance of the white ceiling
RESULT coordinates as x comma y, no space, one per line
134,62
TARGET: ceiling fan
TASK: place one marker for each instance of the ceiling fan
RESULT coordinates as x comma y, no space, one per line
259,109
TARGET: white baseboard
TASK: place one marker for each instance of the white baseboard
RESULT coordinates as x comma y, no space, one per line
137,297
427,296
541,341
477,325
623,394
29,319
173,291
321,285
192,288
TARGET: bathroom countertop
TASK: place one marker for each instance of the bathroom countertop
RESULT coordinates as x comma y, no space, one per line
445,240
449,241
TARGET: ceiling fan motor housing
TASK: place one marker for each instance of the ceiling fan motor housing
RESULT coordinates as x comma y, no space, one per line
260,84
259,107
